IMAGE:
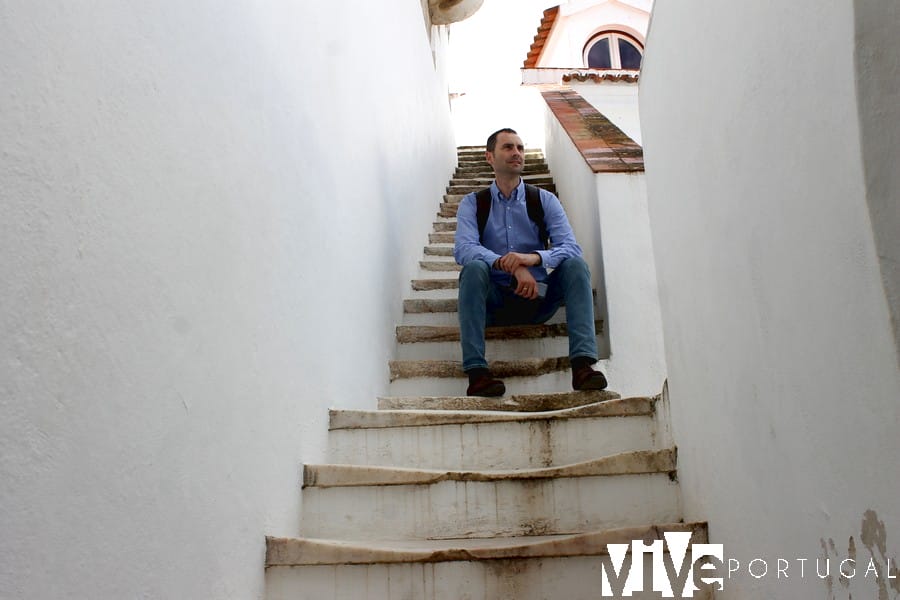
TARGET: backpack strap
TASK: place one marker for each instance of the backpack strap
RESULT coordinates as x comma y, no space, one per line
536,213
532,204
483,204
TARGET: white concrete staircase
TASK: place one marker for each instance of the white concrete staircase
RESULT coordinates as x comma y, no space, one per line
437,496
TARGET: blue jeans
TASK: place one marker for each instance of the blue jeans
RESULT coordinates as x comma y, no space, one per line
483,302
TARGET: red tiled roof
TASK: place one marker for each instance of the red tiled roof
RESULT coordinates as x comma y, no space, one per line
600,77
537,47
605,147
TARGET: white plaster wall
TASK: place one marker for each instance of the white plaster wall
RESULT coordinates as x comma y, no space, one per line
783,374
608,212
486,54
617,101
210,213
878,90
577,23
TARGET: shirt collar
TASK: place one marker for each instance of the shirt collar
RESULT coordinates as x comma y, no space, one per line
517,193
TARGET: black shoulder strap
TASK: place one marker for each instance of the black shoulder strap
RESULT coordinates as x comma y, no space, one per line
536,213
483,203
532,204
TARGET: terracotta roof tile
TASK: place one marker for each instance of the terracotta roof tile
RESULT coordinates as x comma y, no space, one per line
601,77
540,39
605,147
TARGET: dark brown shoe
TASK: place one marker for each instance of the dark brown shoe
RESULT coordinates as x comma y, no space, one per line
486,386
586,378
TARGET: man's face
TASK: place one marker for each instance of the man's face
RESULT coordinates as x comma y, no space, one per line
508,157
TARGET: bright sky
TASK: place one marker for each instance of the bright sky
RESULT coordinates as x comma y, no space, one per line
486,54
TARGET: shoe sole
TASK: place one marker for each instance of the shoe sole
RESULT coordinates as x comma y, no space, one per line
491,391
594,384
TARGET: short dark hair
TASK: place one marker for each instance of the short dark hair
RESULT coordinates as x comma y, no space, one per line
492,139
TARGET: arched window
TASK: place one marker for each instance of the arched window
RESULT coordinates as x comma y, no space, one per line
613,50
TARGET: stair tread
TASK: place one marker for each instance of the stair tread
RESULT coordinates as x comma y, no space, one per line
434,284
522,403
524,367
638,462
284,552
371,419
409,334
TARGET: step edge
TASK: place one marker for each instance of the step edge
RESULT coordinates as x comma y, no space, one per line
512,403
637,462
296,552
446,369
342,419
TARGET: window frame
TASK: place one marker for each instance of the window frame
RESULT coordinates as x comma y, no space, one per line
615,58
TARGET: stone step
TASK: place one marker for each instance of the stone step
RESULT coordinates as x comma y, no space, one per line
534,568
466,189
442,256
438,308
550,382
371,502
537,568
445,226
554,343
486,181
474,160
507,349
430,305
481,150
432,276
485,171
448,210
509,403
410,334
421,285
438,249
434,294
439,265
481,157
296,552
441,237
439,304
527,367
466,439
452,199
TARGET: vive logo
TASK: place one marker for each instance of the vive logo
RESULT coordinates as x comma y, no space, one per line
623,574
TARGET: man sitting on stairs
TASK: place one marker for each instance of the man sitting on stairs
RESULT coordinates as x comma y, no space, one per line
502,244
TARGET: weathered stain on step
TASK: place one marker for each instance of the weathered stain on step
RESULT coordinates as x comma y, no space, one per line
434,333
386,418
287,552
401,369
627,463
539,402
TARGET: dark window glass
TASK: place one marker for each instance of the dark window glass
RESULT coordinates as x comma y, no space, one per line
598,57
631,58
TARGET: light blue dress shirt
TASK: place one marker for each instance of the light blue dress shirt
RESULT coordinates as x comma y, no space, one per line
509,229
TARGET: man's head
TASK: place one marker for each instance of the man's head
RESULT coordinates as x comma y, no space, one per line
505,152
492,139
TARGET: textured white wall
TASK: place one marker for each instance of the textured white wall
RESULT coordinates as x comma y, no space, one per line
608,212
210,214
617,101
782,366
878,91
